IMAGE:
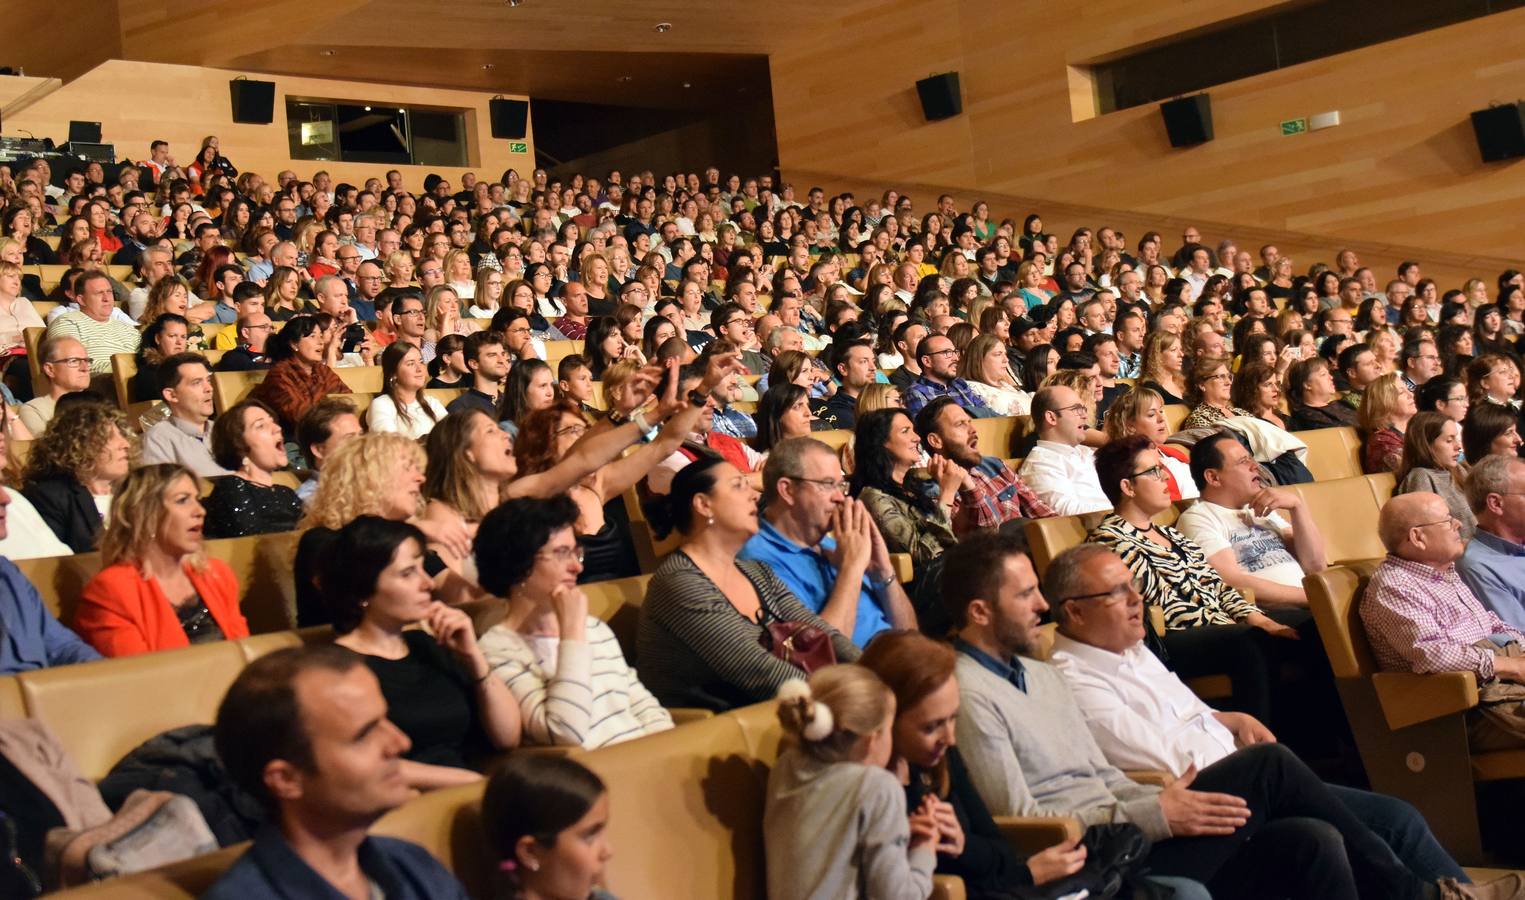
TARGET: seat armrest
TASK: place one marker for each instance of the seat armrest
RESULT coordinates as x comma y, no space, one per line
947,887
1030,834
1150,776
1408,699
682,715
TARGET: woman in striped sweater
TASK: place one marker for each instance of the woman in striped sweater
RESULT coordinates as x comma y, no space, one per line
563,666
700,634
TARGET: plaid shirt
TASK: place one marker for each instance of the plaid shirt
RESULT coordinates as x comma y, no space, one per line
1420,619
998,496
924,390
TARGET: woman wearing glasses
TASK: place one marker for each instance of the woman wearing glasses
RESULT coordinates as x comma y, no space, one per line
563,666
1210,385
1210,628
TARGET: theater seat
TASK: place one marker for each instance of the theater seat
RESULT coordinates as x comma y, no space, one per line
1175,414
1332,452
1346,511
998,436
1411,730
102,710
618,603
1047,538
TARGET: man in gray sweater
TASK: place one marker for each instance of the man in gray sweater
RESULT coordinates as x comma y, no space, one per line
1029,753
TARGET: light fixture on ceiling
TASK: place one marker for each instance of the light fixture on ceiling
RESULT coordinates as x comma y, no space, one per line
624,79
488,67
367,109
687,84
327,52
663,27
512,2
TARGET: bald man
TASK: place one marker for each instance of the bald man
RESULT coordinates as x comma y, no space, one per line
1421,617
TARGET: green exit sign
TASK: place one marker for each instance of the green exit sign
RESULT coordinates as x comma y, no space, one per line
518,147
1293,126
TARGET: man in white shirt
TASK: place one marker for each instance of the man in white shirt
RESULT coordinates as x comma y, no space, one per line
185,437
1238,527
1061,470
1143,716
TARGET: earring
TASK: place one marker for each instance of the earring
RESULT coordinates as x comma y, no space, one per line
712,521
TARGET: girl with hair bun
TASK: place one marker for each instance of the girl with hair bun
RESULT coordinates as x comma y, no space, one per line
835,822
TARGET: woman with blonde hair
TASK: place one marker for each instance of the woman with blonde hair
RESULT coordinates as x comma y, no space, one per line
985,367
458,274
1030,279
1493,378
399,269
1162,367
1432,462
16,312
156,589
1141,410
835,822
1387,405
442,316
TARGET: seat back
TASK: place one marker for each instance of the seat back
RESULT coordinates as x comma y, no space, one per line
618,603
124,367
32,337
1347,510
1333,596
649,551
1175,414
448,824
184,880
837,437
102,710
361,379
1332,452
60,579
229,388
1047,538
998,436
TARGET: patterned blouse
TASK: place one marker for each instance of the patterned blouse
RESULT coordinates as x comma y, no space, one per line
1177,578
1383,451
1205,415
907,529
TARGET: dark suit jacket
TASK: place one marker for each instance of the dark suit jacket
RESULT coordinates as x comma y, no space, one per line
68,509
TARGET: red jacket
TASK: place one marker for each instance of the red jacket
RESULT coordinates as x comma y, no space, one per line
121,613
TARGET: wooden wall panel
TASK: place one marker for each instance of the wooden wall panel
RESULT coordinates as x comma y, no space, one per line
137,103
1403,168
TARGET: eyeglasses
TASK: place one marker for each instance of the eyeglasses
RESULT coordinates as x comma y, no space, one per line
1448,520
1120,594
408,312
563,554
1156,471
937,353
827,484
78,362
573,430
1079,407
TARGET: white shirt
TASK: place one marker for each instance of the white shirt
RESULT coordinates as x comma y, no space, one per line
382,416
1006,401
1181,472
1064,477
1259,543
1141,715
27,536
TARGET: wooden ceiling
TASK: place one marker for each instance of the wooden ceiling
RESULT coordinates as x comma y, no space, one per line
592,51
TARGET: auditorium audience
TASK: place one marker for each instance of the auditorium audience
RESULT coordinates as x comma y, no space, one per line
185,437
74,468
439,689
562,665
835,822
305,731
156,589
298,377
706,612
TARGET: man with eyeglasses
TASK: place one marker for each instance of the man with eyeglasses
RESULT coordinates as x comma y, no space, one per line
66,364
400,317
1419,361
1060,469
1238,526
369,283
1421,616
253,332
938,359
849,581
1143,716
731,322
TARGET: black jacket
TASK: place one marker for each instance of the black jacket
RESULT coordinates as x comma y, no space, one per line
68,508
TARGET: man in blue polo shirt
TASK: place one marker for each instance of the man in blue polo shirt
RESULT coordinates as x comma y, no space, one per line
850,582
1494,564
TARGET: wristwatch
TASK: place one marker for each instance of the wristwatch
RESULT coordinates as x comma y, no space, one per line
617,418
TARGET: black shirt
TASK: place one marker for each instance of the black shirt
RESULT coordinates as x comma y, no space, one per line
474,399
242,359
237,507
989,865
433,702
840,412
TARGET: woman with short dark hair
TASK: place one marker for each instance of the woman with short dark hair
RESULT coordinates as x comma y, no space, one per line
438,686
246,440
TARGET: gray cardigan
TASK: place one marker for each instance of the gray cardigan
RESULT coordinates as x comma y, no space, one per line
1436,481
839,831
1031,754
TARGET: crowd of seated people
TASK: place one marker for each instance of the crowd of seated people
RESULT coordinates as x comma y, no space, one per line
792,390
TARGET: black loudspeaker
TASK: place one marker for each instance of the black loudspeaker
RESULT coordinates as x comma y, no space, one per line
84,132
939,96
510,118
253,101
1189,120
1500,131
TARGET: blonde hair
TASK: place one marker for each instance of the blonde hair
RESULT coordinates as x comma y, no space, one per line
450,259
1131,404
433,306
874,397
615,375
1158,343
158,296
826,715
138,510
395,259
1379,401
357,476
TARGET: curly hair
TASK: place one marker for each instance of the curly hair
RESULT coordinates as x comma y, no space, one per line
138,511
535,447
358,476
1131,404
74,440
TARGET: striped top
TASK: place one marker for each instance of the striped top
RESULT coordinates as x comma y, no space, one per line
1177,578
573,693
101,339
696,650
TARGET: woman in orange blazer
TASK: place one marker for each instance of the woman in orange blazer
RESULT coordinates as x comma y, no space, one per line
156,590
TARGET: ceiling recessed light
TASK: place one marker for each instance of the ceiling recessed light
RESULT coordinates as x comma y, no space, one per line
687,84
488,67
513,2
624,79
367,109
326,52
663,27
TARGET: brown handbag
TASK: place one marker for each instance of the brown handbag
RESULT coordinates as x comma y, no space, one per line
800,644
